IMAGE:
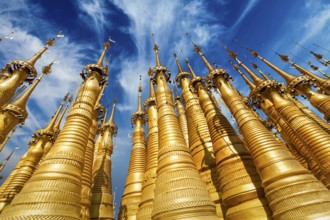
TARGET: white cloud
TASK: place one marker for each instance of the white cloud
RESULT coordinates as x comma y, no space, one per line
97,11
251,4
50,91
169,20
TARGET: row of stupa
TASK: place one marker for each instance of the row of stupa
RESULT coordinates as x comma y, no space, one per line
193,165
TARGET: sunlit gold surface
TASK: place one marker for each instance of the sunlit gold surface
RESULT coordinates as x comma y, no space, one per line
15,112
200,143
316,140
17,71
53,191
285,181
299,147
102,201
180,193
182,118
133,187
86,176
302,85
148,185
241,187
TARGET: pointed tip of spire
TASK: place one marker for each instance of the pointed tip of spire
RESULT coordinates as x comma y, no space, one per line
231,53
283,57
196,47
253,52
34,59
106,47
48,68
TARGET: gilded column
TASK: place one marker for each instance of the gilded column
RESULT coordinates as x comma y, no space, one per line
15,112
148,185
3,165
36,151
54,189
316,139
180,193
200,143
182,118
241,187
18,71
284,180
133,187
325,126
3,144
282,126
12,174
300,85
102,200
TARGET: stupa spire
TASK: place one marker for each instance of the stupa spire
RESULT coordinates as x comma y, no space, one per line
148,184
100,60
175,164
288,77
15,111
268,154
2,165
323,83
199,51
133,187
191,69
248,82
62,166
256,67
60,118
34,59
156,49
16,72
257,80
231,156
51,125
3,144
200,144
177,63
102,198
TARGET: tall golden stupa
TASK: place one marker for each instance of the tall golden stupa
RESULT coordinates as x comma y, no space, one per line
187,160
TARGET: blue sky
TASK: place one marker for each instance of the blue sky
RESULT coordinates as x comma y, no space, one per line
86,24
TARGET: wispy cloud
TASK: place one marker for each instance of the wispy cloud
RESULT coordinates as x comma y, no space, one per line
46,97
250,5
96,11
169,20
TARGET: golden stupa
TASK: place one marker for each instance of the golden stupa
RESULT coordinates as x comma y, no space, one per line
187,160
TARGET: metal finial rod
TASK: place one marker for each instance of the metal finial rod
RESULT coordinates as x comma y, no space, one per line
295,42
321,47
7,36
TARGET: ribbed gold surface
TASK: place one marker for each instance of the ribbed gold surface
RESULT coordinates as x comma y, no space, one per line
86,176
182,119
180,193
11,121
132,193
102,201
316,139
319,101
299,146
292,192
54,190
24,173
148,185
12,174
241,187
200,144
309,113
